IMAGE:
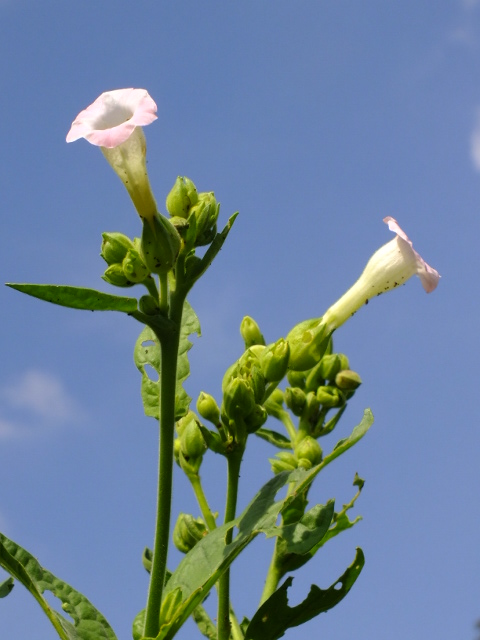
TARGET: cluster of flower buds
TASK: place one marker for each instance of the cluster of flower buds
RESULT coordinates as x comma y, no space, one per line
193,214
307,453
313,393
126,266
188,531
243,390
190,445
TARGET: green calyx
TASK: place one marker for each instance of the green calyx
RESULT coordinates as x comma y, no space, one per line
160,244
181,198
115,247
308,343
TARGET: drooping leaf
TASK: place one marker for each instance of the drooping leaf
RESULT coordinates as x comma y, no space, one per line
275,438
89,624
274,617
147,353
204,623
77,297
6,586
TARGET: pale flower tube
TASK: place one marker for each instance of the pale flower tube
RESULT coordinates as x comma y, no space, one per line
390,266
114,123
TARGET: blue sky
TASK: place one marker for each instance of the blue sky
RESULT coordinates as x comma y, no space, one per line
315,120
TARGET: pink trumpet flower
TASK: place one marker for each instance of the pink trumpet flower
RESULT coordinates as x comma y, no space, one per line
390,266
114,123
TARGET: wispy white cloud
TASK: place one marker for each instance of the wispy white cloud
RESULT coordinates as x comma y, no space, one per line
475,144
35,398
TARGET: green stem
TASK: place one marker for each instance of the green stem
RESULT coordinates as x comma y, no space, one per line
151,287
163,292
234,461
169,350
273,578
202,501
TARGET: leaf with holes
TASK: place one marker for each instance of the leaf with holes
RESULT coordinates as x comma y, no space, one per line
201,567
147,356
274,617
89,624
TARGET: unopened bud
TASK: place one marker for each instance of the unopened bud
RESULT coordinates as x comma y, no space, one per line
250,332
205,213
256,419
160,244
295,400
308,342
330,397
238,399
134,267
348,380
208,408
332,364
188,531
274,360
283,461
114,247
170,605
182,197
115,275
309,449
192,442
148,305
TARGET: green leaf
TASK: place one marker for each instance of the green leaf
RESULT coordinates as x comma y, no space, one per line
303,535
89,624
6,586
274,617
275,438
77,297
204,623
147,353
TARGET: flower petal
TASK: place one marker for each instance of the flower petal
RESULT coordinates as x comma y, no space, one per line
112,118
429,276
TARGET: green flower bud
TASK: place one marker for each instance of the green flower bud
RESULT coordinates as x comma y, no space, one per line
148,305
115,275
295,400
312,405
205,213
296,379
192,442
171,606
332,364
188,531
160,244
114,247
330,397
250,332
134,268
208,408
256,419
182,197
309,449
283,461
274,360
308,342
238,399
348,380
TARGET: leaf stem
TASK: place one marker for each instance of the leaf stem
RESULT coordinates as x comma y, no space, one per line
273,577
234,461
